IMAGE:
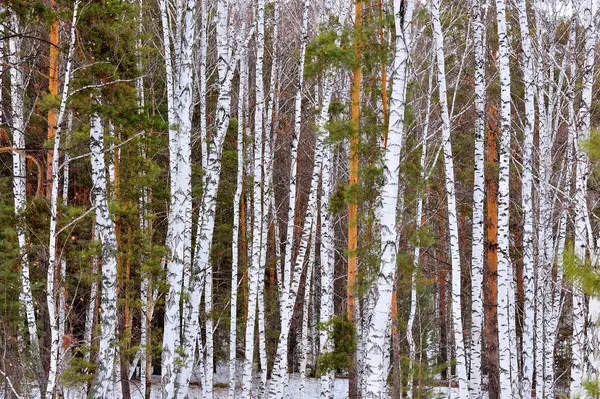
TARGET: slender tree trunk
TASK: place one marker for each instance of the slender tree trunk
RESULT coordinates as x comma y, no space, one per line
491,276
451,198
305,311
278,386
581,210
53,264
352,314
417,250
327,268
178,347
505,275
236,224
104,383
376,375
477,251
18,122
256,265
53,66
527,202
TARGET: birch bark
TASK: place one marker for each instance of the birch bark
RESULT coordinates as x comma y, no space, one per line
416,256
505,275
305,310
451,199
278,383
327,247
477,253
375,374
53,262
236,222
104,383
527,203
581,209
327,263
18,122
179,33
256,267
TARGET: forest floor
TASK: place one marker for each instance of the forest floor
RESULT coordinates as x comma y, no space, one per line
221,391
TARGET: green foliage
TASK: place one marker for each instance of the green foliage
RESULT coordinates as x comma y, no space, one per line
343,334
328,50
581,272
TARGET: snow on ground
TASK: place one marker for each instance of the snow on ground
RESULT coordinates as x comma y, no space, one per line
220,392
311,389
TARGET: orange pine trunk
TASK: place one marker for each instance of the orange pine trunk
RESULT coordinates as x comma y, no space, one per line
490,292
353,207
53,89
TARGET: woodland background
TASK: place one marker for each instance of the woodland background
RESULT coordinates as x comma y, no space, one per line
402,193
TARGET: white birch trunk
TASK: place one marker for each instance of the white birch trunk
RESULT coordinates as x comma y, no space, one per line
451,198
580,357
292,193
417,250
327,267
277,388
202,79
374,370
278,385
179,235
477,253
527,203
103,386
505,275
53,262
236,223
255,269
305,311
544,230
18,122
327,247
202,267
262,340
62,320
91,309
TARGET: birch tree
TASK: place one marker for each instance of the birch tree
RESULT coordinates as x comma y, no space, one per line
18,121
477,17
451,202
417,250
104,383
53,262
527,201
581,209
505,276
255,269
386,213
236,221
179,34
279,374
